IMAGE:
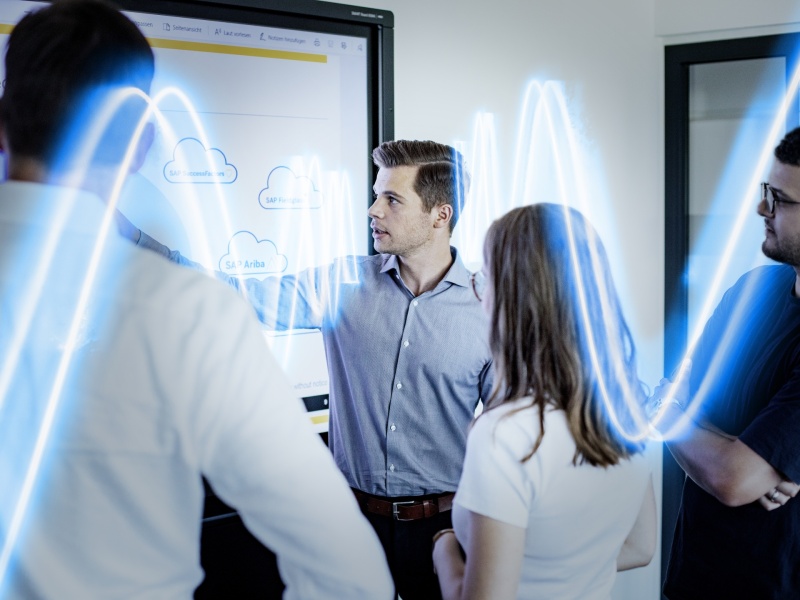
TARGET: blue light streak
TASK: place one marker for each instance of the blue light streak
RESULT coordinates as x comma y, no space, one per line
547,146
546,132
745,211
616,352
484,202
199,128
88,145
544,115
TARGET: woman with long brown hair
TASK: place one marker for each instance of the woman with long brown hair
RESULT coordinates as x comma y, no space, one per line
555,495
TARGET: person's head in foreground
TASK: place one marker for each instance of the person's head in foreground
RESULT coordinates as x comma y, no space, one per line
65,65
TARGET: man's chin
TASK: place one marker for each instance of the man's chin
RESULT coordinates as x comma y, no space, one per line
779,255
769,250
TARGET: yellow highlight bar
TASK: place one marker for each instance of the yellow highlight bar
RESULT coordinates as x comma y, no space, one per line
238,50
316,420
6,29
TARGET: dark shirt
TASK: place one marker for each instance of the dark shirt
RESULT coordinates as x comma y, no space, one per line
746,375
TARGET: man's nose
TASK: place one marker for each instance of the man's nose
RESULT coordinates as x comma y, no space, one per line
375,210
762,209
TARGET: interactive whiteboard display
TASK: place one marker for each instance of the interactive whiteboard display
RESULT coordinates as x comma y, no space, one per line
260,164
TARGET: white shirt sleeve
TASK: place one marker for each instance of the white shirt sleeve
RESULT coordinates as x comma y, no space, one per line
253,441
494,482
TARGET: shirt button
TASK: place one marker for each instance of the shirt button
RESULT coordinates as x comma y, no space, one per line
415,302
391,467
393,427
405,343
399,386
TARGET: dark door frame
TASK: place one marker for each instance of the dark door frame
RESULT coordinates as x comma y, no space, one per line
677,61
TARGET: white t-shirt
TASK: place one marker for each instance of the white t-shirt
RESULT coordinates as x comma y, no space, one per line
577,517
170,378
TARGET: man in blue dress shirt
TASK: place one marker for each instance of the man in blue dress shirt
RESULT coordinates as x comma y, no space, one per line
407,351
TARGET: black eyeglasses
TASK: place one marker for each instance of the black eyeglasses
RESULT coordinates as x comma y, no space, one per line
770,197
478,282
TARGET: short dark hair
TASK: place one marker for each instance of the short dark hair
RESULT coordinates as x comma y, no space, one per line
788,151
441,178
56,59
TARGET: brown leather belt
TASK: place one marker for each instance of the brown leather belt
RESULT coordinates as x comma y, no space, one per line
405,510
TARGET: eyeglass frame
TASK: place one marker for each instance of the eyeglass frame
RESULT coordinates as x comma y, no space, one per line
765,198
473,277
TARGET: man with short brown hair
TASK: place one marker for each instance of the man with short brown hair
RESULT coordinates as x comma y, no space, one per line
407,352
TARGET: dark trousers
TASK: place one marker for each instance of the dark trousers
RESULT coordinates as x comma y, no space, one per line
408,546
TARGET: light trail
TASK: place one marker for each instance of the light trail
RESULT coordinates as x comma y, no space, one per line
197,222
546,132
308,251
484,202
89,144
32,294
634,408
545,122
745,211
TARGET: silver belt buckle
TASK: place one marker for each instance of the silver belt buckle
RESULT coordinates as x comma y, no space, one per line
396,505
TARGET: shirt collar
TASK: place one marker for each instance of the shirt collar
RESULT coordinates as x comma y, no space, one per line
457,274
26,203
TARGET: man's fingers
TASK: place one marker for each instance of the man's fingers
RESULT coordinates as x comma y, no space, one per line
788,488
766,504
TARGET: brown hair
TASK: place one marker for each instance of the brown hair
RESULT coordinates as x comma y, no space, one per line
441,178
546,266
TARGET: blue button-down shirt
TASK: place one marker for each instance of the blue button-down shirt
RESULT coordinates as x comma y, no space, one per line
406,372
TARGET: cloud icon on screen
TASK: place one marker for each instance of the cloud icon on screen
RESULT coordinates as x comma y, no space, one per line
247,255
193,163
287,190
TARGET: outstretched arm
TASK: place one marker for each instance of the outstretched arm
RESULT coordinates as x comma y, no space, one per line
280,302
127,229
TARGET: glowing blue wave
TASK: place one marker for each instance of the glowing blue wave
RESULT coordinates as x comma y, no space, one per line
340,217
745,211
546,138
546,144
88,146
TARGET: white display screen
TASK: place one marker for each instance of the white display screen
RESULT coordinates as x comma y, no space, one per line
260,163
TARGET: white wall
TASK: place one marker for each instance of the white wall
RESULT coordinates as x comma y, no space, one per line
677,17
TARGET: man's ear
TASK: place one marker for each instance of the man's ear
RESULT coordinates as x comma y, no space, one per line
444,213
143,147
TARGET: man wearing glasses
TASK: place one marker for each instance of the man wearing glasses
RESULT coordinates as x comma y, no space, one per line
738,528
407,352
